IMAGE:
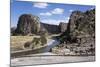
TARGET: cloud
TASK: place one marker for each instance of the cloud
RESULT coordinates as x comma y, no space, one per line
68,18
92,8
71,10
57,11
40,5
54,11
53,21
46,14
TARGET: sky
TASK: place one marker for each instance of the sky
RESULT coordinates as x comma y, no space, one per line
50,13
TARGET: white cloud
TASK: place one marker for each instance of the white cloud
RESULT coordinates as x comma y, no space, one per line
71,10
46,14
68,18
52,21
57,11
40,5
92,8
54,11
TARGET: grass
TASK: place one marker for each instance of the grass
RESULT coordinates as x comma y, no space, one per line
17,42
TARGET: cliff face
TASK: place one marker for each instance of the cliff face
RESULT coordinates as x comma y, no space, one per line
79,37
80,24
28,24
62,27
52,29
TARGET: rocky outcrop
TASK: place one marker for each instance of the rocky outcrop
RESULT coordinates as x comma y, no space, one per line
52,29
79,37
27,24
80,24
63,27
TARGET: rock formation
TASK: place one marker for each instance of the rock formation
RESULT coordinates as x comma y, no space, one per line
80,24
28,24
63,27
80,34
52,29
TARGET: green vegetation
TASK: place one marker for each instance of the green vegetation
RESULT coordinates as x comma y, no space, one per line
35,42
41,41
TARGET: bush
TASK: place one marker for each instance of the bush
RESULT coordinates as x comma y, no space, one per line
35,42
27,45
43,39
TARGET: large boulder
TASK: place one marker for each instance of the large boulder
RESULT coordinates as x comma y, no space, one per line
28,24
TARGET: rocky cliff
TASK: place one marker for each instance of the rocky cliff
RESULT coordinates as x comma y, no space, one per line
80,24
51,29
79,37
28,24
63,27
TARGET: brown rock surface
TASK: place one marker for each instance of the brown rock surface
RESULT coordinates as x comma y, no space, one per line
28,24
